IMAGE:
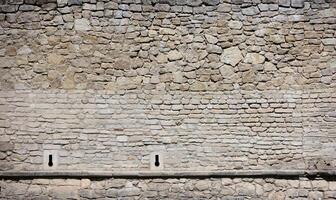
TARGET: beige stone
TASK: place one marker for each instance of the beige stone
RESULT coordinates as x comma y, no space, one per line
277,39
162,58
198,86
174,55
55,59
10,51
268,66
202,185
211,39
122,63
178,77
254,58
231,56
226,71
82,24
235,24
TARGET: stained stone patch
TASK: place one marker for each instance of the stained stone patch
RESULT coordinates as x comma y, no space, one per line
6,146
55,59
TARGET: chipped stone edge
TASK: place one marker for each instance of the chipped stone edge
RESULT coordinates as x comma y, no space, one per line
167,174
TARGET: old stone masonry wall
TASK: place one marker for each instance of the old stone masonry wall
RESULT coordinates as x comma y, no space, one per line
225,188
205,84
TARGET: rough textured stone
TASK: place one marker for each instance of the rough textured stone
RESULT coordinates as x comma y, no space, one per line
55,59
174,55
277,39
82,25
226,71
157,188
285,3
250,11
297,3
211,39
211,2
329,41
232,56
235,24
207,84
25,50
6,146
254,58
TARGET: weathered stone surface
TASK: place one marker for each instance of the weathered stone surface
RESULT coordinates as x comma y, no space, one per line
277,39
55,59
25,50
254,58
211,2
211,48
226,71
297,3
6,146
28,17
62,3
82,25
202,185
74,2
174,55
211,39
235,24
231,56
285,3
162,58
122,63
10,51
186,188
329,41
198,86
250,11
269,66
214,85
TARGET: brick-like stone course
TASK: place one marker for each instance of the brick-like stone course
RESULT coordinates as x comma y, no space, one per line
195,130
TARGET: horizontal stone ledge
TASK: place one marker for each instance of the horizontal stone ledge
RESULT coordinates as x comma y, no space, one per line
167,174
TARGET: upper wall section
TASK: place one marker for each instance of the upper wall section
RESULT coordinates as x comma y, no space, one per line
188,45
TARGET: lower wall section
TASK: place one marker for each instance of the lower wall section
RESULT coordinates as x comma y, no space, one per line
227,130
214,188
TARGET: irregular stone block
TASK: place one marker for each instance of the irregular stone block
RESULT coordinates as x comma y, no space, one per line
235,25
297,3
82,24
250,11
211,2
6,146
329,41
174,55
285,3
231,56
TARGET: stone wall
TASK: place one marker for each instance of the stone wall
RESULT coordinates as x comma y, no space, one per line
225,188
271,129
211,84
207,84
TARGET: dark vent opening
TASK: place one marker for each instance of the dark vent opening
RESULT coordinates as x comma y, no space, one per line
50,161
157,161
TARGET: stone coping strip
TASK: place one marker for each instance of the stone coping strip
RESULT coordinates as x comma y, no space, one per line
168,174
